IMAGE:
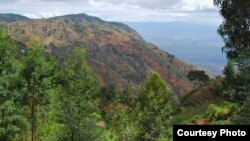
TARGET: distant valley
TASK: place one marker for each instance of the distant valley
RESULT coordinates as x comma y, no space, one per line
194,43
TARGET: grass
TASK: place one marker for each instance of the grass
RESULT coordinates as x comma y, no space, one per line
189,114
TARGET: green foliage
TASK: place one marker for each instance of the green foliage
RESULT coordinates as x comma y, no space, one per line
235,28
109,94
7,53
235,33
128,97
118,118
37,73
189,115
109,136
48,128
232,83
118,113
216,112
154,109
12,123
41,103
243,117
220,122
194,119
198,75
50,131
230,71
77,91
220,112
235,85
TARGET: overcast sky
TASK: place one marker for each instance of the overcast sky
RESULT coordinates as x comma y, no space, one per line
196,11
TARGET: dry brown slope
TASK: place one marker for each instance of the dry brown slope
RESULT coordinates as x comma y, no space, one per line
116,52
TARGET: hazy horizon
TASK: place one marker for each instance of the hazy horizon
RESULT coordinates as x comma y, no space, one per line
195,43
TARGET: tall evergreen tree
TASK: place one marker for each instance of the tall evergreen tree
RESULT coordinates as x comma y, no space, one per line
78,90
12,120
37,74
154,109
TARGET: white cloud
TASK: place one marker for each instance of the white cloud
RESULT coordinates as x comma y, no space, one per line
201,11
152,4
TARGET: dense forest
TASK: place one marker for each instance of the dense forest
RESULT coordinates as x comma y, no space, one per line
43,98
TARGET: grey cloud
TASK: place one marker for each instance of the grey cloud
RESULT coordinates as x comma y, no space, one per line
116,10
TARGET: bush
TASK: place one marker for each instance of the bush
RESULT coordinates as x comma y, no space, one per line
220,112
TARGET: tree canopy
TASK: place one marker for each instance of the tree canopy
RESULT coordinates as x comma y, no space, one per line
235,29
155,108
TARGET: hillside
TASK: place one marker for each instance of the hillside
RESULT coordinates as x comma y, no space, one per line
117,53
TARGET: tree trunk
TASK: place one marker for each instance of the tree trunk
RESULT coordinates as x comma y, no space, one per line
33,119
72,136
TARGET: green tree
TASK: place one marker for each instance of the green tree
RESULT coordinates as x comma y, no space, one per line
128,98
12,120
108,94
77,96
48,128
118,118
230,71
37,73
235,28
198,75
229,84
243,117
235,31
154,109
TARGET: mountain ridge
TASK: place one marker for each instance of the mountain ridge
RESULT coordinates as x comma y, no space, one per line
10,17
117,53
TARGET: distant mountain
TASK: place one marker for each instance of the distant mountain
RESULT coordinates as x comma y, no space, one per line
7,18
117,53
